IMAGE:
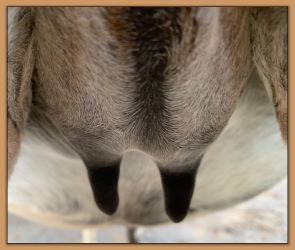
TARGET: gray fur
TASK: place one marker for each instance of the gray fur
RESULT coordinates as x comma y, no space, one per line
79,75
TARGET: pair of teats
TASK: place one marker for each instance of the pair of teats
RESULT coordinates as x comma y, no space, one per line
178,189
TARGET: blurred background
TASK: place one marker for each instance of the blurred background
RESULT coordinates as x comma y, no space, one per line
262,219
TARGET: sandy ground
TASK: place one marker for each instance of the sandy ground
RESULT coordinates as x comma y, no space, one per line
259,220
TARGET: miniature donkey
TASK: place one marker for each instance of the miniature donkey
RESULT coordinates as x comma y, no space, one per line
162,85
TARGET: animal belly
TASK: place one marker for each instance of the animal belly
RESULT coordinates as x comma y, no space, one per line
247,158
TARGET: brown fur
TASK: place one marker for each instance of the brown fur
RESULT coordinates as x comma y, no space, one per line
164,81
20,67
270,47
13,145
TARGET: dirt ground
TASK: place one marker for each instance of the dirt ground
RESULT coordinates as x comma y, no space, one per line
262,219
